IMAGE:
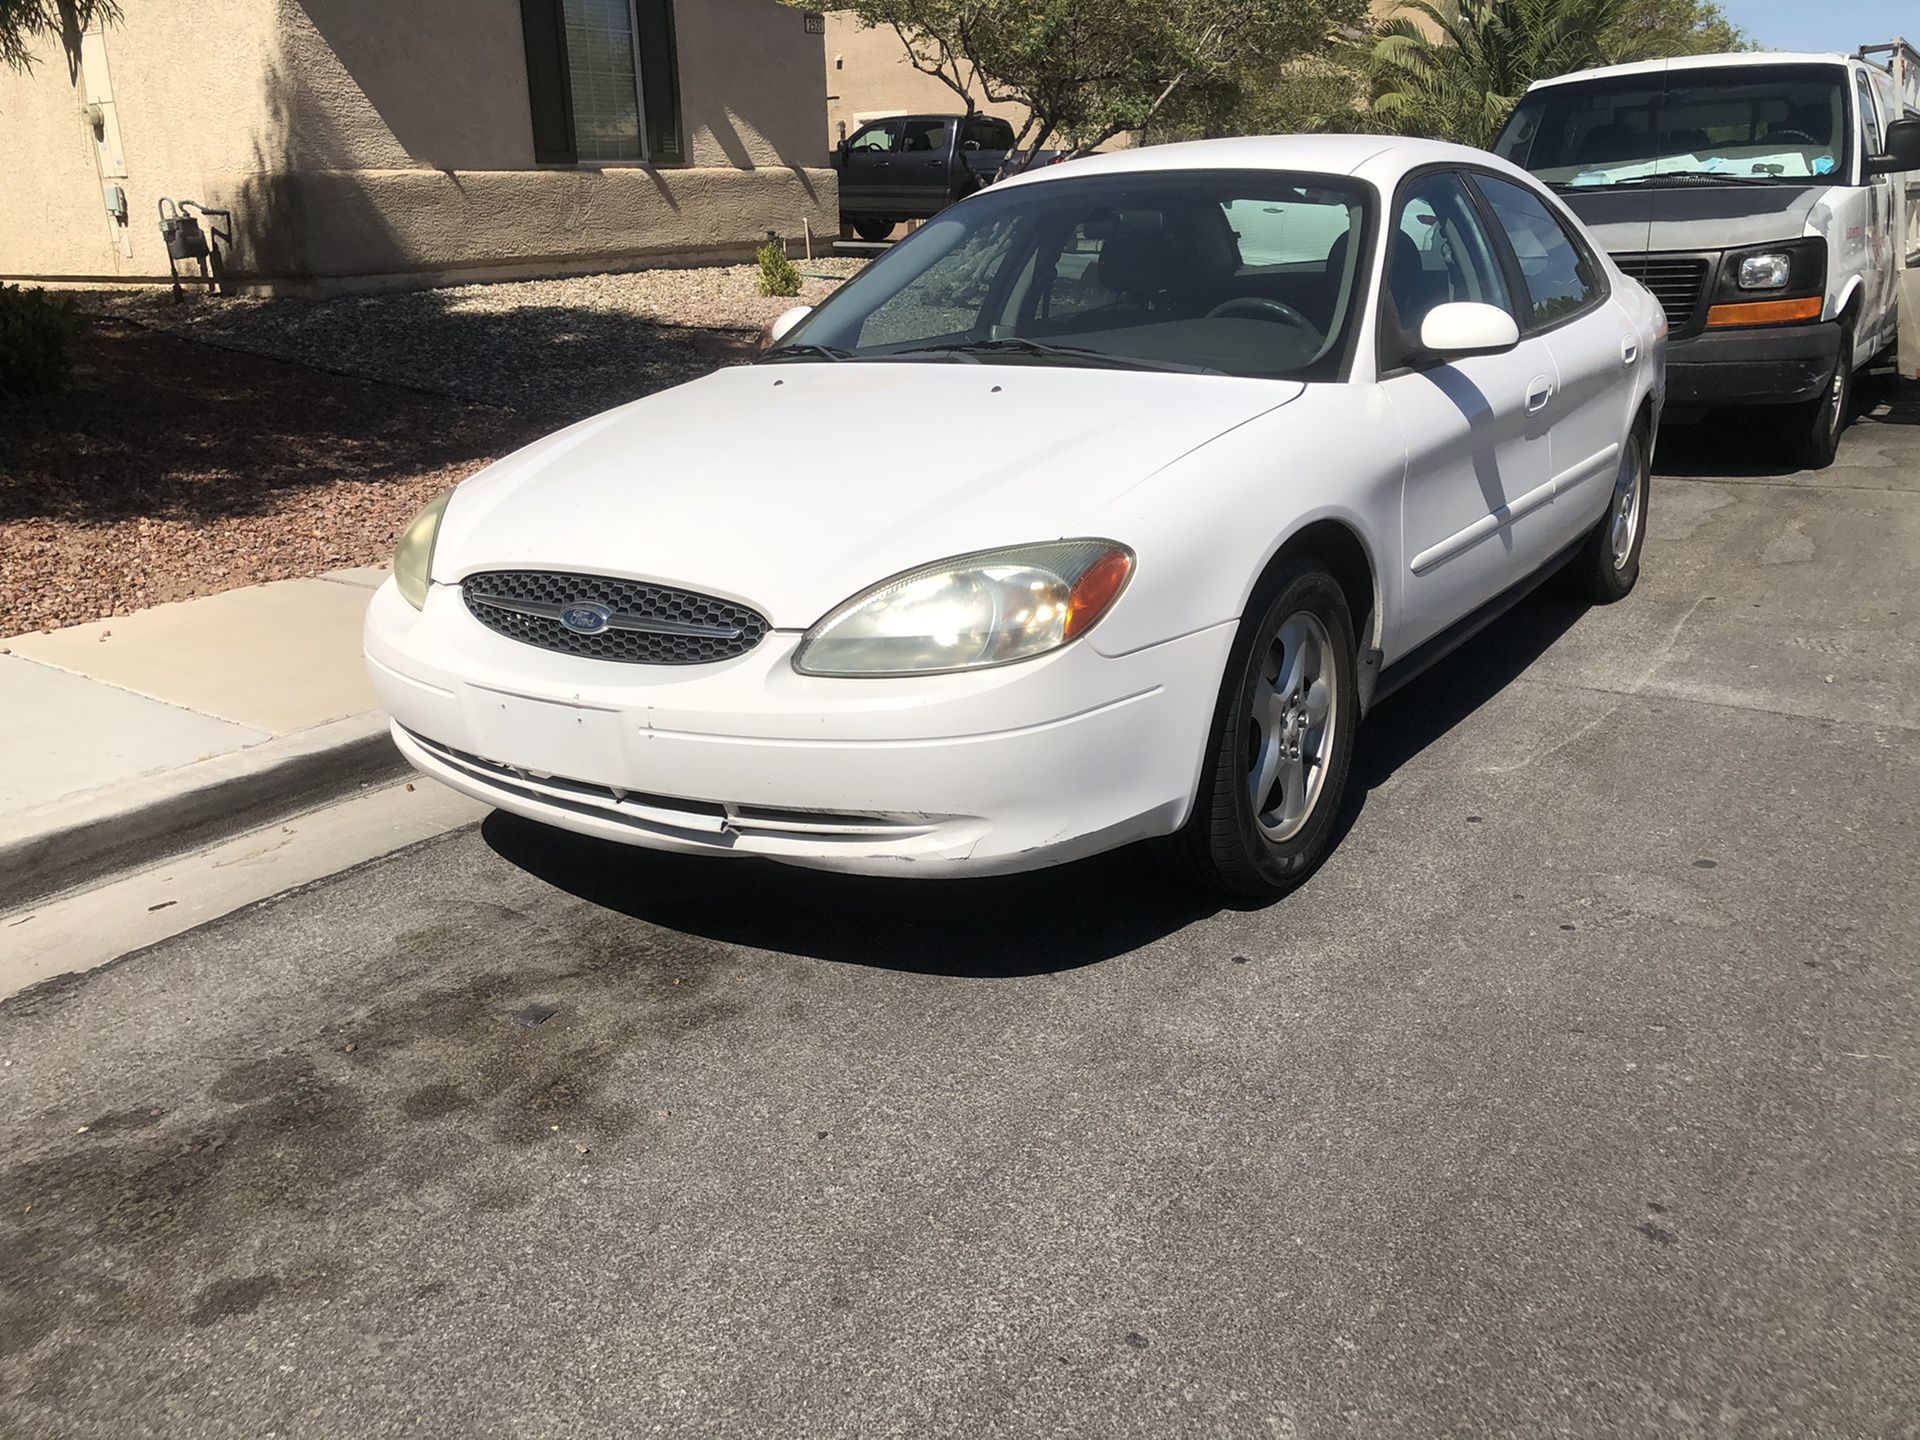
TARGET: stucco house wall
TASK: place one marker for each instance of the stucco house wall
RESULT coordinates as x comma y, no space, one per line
363,143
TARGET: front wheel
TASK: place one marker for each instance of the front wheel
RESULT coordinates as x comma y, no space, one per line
1818,425
1281,743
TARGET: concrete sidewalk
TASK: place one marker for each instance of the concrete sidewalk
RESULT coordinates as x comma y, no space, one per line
130,739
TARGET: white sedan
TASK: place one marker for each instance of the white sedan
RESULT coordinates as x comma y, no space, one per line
1099,510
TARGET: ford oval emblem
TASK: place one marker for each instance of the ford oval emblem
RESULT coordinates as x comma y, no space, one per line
585,617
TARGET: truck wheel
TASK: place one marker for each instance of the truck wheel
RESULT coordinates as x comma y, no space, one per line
1819,423
873,229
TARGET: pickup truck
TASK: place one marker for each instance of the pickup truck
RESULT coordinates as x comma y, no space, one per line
909,167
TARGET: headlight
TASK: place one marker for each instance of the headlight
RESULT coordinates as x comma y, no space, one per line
413,556
1770,271
970,612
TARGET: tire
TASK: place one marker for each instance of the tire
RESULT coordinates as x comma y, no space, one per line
1608,565
873,229
1818,424
1298,625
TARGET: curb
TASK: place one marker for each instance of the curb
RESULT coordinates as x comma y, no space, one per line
71,842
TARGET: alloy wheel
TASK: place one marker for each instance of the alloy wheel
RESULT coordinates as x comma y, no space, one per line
1294,712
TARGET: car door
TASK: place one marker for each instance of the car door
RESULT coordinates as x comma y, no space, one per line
1566,302
1478,483
924,169
866,177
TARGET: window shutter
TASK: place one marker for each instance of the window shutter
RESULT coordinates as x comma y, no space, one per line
549,88
660,81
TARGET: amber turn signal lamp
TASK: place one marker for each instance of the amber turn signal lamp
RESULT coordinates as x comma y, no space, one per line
1764,312
1096,589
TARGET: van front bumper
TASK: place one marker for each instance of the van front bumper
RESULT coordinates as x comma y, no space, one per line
1767,365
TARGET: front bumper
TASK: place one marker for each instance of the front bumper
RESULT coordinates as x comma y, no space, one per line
1766,365
1000,770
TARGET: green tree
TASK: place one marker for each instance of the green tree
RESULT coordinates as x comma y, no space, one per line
1087,70
26,23
1651,29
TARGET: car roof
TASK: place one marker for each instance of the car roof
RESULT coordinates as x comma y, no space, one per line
1373,157
1742,60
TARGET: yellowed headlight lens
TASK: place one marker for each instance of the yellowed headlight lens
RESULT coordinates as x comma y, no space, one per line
413,556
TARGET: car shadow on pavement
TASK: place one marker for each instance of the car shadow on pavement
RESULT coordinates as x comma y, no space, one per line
1005,926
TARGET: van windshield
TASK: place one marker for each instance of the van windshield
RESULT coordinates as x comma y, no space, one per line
1741,124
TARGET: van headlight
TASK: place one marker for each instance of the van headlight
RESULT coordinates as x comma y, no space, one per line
1768,271
413,556
970,612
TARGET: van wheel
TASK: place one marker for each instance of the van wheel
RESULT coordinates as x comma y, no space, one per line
1281,743
1819,423
873,229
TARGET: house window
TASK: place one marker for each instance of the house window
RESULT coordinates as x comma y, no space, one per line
602,80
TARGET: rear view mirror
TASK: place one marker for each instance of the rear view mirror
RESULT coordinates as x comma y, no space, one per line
1465,327
1902,150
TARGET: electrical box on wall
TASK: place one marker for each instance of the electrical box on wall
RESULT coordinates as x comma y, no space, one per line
116,199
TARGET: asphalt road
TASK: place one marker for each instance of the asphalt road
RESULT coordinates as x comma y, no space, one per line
1577,1093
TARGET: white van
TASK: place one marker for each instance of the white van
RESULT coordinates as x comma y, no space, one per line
1762,198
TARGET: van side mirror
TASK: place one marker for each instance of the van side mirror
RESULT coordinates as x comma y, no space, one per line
1466,327
1902,150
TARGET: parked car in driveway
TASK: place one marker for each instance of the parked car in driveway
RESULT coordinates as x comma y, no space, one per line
1255,430
909,167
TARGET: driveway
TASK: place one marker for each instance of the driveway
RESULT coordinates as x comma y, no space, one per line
1577,1093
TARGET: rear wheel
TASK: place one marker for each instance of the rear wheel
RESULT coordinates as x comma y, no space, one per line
873,229
1282,741
1609,563
1818,424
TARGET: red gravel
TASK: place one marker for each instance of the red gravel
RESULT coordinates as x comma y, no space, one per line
171,469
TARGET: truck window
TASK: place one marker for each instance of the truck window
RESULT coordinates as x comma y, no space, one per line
874,137
989,133
1869,118
924,135
1769,123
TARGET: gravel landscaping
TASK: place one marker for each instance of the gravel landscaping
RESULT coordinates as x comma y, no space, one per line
564,348
169,470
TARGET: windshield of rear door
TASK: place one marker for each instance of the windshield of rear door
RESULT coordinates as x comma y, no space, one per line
1740,124
1242,273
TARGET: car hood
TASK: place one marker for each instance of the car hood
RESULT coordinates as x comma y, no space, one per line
1636,219
789,487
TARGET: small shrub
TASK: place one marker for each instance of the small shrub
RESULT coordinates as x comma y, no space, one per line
34,331
777,275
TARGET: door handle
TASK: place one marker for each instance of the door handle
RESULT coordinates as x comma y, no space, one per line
1629,350
1538,393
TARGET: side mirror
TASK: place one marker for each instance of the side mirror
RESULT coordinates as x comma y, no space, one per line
1902,152
1466,327
785,323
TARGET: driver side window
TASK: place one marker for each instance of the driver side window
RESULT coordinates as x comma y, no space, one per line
1439,252
879,137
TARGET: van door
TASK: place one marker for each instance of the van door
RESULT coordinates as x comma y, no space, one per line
1878,282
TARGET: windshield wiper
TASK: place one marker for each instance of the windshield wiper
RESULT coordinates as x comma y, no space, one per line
802,350
1016,345
1691,177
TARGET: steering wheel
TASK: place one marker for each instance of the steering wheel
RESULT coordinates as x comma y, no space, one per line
1787,133
1258,307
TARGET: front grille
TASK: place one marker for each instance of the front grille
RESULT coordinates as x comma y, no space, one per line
648,624
1678,282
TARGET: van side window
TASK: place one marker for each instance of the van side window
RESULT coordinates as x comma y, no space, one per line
1869,118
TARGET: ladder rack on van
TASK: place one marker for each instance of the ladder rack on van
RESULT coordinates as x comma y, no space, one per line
1902,61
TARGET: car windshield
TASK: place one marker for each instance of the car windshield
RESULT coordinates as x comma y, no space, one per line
1242,273
1771,124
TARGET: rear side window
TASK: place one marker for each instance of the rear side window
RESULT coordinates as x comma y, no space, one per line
1561,279
924,135
988,133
